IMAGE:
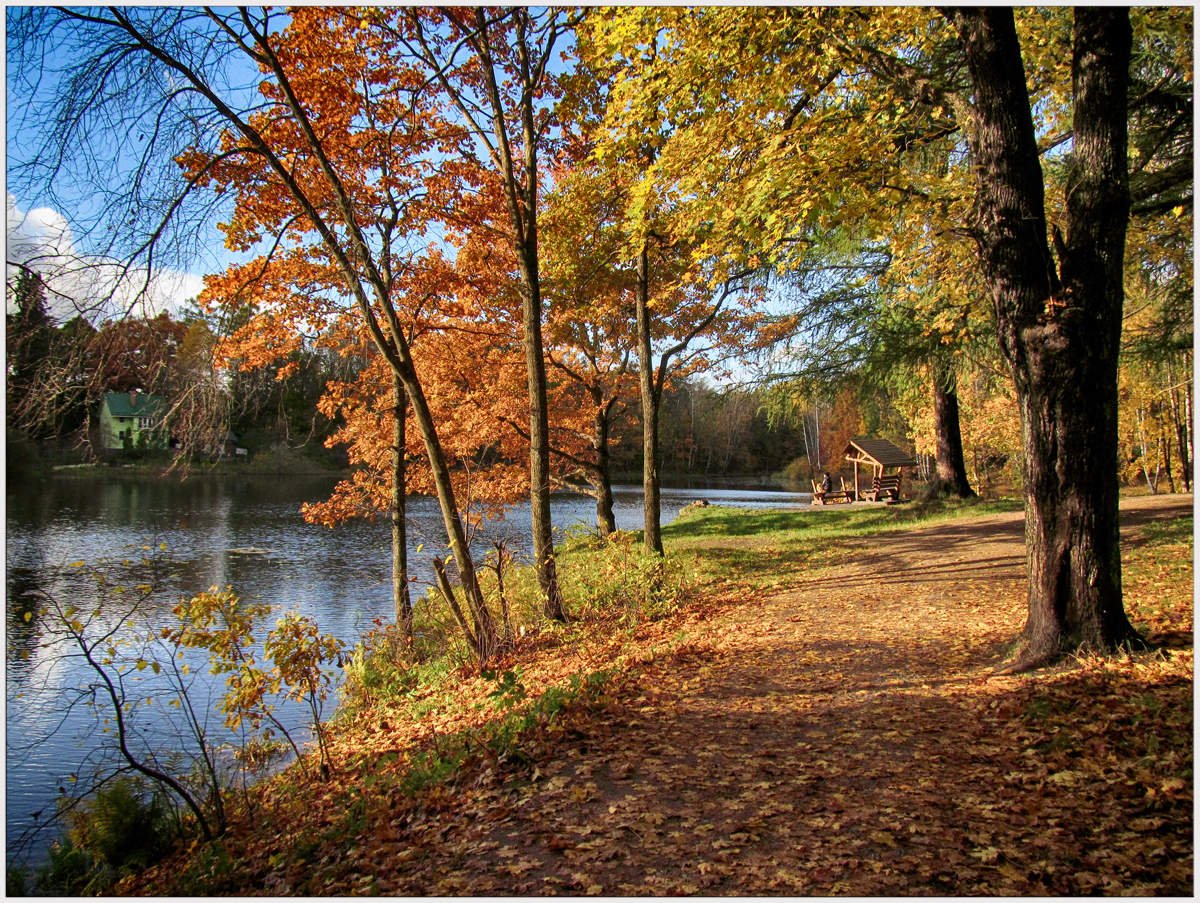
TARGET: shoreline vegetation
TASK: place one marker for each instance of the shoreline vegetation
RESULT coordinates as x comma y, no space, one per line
418,751
295,462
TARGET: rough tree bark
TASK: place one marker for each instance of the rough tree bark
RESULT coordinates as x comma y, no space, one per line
1059,328
951,465
523,212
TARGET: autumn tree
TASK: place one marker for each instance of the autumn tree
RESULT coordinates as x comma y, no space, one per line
134,354
1157,336
590,329
288,149
199,403
751,158
684,322
494,67
594,357
693,301
1058,315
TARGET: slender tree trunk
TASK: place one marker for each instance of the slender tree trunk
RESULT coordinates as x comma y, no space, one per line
539,441
401,600
1059,330
606,520
1188,429
951,465
1151,483
1180,426
1164,454
477,643
485,637
535,361
523,214
650,479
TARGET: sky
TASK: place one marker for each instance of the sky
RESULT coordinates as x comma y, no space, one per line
65,230
78,283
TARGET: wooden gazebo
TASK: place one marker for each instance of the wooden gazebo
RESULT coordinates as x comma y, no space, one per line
881,456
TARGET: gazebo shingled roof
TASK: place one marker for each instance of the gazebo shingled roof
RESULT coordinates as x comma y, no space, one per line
878,452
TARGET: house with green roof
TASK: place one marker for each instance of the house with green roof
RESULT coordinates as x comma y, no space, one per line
132,420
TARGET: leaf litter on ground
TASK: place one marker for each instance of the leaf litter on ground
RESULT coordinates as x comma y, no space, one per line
842,733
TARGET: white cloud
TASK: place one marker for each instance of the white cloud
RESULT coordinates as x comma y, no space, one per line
98,288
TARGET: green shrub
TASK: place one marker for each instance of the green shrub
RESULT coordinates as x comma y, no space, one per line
70,872
123,827
125,824
795,475
379,671
17,882
617,574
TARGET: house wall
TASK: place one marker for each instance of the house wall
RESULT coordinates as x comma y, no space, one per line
112,428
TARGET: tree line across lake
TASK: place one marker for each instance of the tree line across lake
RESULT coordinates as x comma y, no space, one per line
708,432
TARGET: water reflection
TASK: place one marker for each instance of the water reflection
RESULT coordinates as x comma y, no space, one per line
340,577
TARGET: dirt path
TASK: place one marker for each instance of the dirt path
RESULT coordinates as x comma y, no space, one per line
842,736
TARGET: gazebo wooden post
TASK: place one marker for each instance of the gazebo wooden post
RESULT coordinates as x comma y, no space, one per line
879,455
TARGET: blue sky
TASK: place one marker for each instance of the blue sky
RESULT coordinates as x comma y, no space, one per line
71,229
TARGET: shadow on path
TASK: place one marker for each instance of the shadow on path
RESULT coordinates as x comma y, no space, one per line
832,738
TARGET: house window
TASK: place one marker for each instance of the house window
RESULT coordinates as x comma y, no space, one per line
144,423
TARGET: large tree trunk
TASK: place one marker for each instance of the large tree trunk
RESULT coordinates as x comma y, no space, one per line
1059,331
951,465
652,538
401,600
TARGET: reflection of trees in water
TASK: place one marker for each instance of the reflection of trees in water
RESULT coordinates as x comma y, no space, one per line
23,586
340,577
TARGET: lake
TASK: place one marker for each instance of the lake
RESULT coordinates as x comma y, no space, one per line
339,577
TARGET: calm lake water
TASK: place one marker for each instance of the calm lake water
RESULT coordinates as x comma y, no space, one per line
340,577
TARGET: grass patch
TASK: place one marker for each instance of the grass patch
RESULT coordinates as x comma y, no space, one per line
511,738
1170,531
762,548
1157,578
826,523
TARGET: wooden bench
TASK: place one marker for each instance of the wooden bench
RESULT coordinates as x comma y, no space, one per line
821,497
885,488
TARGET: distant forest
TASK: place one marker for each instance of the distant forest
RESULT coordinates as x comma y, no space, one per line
58,374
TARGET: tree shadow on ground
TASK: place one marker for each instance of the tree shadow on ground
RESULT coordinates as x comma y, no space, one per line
786,771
